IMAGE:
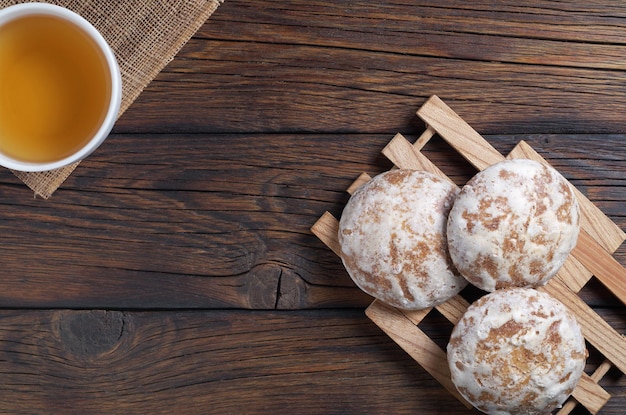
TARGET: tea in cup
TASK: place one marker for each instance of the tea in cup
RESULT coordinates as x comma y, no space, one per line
60,87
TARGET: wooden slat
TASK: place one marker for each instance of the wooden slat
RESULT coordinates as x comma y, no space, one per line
606,268
475,149
424,138
458,133
360,181
416,343
598,235
592,219
574,274
404,155
597,375
326,229
454,308
590,394
597,331
415,316
471,145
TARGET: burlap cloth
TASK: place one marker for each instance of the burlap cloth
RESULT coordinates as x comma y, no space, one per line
145,35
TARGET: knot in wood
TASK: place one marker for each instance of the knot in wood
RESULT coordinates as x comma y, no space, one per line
90,334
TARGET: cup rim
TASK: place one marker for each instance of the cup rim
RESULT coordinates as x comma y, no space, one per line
35,8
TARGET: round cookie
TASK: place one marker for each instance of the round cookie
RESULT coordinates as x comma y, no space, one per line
393,239
513,225
516,351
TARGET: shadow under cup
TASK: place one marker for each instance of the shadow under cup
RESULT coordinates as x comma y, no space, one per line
60,87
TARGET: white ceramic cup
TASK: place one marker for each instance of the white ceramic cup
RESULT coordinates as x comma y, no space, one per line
18,11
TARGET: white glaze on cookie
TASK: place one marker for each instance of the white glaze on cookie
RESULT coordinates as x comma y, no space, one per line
513,225
516,351
393,240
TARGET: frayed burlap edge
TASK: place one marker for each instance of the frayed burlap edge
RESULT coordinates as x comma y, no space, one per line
140,57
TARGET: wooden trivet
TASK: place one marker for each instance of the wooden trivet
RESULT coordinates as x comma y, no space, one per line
592,256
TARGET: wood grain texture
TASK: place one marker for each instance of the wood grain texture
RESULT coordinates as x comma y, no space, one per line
230,229
201,202
215,362
78,362
354,66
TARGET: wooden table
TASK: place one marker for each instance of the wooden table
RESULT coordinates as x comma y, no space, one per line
175,271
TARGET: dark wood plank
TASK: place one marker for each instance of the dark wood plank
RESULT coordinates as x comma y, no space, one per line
222,221
323,362
272,66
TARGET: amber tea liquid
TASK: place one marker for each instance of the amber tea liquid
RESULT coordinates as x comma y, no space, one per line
54,88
